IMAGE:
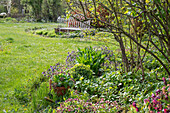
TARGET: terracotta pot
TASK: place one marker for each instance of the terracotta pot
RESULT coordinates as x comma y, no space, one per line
60,91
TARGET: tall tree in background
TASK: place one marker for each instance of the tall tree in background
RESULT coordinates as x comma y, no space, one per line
55,9
2,6
36,8
16,5
48,10
52,9
7,4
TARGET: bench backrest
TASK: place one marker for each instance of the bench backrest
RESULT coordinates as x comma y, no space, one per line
74,23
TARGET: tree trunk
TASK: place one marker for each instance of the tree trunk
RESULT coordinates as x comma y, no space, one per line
124,57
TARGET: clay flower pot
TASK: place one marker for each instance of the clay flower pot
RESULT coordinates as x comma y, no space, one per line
60,91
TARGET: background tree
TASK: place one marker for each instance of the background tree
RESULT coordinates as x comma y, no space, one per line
44,9
17,7
7,5
143,24
52,9
35,8
2,7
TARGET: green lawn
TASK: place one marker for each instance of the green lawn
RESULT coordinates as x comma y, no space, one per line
24,55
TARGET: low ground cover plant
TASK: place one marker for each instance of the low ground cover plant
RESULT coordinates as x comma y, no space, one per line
122,89
52,33
8,20
78,106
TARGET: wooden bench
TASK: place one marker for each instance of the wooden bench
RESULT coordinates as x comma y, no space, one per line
74,25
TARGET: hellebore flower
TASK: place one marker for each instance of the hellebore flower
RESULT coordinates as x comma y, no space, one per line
165,111
146,100
153,96
158,91
157,97
163,89
166,97
154,101
137,109
134,104
156,108
164,80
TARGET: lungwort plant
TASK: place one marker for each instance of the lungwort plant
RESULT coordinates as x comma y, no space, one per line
99,59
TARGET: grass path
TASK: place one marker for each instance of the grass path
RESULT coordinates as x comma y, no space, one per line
24,55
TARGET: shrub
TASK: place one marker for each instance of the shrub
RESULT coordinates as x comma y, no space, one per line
104,34
8,20
39,32
10,40
81,70
45,32
51,34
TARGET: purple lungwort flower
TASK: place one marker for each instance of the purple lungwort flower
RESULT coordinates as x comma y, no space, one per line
52,70
56,101
57,64
51,67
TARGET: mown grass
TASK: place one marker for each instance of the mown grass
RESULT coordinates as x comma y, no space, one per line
24,55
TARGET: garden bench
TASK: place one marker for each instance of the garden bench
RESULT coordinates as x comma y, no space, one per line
74,25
